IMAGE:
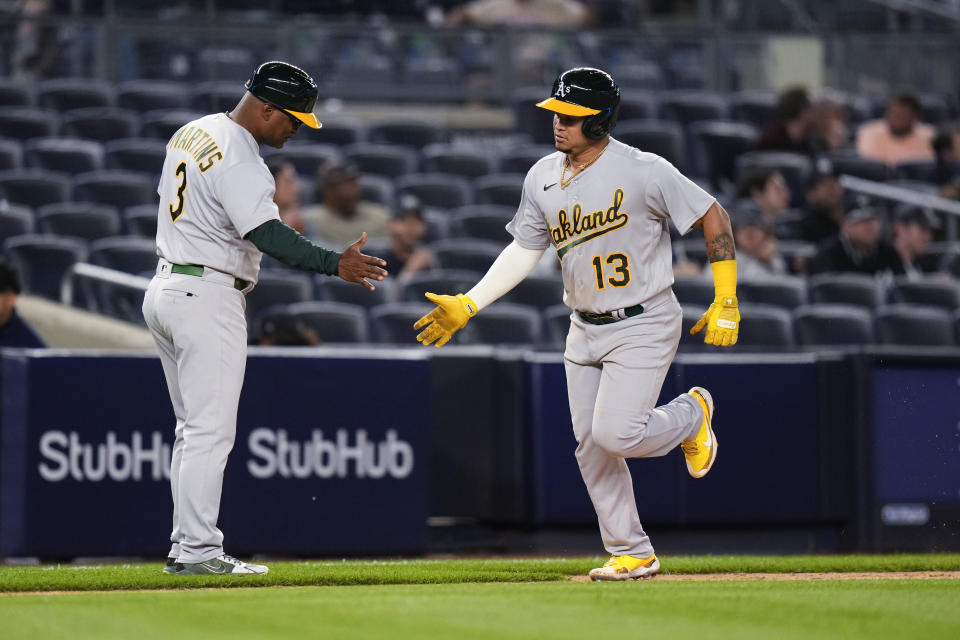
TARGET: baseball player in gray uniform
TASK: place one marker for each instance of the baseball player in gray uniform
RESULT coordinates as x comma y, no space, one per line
216,217
603,207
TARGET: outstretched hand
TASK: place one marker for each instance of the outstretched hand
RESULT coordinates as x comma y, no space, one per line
357,267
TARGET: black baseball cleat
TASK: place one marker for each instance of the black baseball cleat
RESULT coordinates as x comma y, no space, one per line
172,566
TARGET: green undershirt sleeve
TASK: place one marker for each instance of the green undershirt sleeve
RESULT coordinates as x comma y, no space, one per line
289,247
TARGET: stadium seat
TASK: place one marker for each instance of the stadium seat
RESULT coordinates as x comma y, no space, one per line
845,288
832,324
83,220
661,137
484,221
11,155
339,290
215,97
717,144
68,155
637,105
956,326
339,130
758,108
530,119
440,190
919,170
333,322
692,106
145,155
130,254
460,160
443,282
43,261
848,163
439,224
540,292
382,159
161,124
377,189
277,287
67,94
556,319
306,157
765,326
469,254
504,323
691,314
935,293
23,123
114,187
100,123
393,322
692,247
34,187
407,133
16,93
693,290
499,188
141,220
786,292
934,108
914,325
15,220
521,158
147,95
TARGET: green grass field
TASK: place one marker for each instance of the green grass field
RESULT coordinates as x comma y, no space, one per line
502,598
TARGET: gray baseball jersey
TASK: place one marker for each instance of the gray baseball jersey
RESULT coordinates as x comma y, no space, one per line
609,226
214,189
609,229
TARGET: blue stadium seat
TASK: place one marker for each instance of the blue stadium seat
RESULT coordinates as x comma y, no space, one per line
23,123
339,290
943,293
84,220
716,146
100,123
66,94
847,163
440,190
161,124
484,221
442,282
44,261
276,287
914,325
661,137
637,105
333,322
147,95
521,158
144,155
468,254
379,189
11,155
393,322
382,159
130,254
460,160
758,108
556,320
765,326
34,187
693,290
845,288
114,187
407,133
306,157
691,314
530,119
919,170
786,292
832,324
216,97
504,323
692,106
68,155
141,220
15,220
502,189
16,93
337,130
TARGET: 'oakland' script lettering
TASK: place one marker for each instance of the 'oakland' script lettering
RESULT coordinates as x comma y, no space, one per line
570,226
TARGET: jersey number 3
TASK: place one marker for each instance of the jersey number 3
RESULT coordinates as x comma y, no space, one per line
621,277
182,172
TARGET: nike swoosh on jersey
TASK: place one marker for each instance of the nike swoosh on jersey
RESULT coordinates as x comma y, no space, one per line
547,186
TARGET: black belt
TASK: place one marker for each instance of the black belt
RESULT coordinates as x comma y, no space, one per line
612,316
197,270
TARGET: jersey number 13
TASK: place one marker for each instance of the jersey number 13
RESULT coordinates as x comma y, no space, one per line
621,270
176,212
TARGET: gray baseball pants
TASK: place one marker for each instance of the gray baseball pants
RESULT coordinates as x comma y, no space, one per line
614,376
199,327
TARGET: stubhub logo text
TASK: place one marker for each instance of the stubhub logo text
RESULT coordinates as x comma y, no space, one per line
273,453
63,455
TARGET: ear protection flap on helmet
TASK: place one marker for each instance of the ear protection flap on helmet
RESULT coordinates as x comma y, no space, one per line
601,124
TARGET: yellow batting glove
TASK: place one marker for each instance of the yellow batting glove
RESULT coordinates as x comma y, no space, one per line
722,319
450,316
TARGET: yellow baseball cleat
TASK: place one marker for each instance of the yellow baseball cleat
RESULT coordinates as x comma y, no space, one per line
702,450
626,568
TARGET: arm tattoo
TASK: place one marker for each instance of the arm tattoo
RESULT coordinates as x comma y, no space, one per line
720,247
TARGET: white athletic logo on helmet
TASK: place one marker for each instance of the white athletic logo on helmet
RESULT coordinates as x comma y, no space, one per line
562,89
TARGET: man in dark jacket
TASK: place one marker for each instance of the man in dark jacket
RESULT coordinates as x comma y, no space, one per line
857,248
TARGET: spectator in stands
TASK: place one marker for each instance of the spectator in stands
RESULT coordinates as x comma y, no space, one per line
14,330
36,51
793,129
287,195
946,150
858,247
407,228
757,253
825,207
761,190
830,126
912,233
343,216
899,136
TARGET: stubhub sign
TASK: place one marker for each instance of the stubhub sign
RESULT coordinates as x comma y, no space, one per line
321,463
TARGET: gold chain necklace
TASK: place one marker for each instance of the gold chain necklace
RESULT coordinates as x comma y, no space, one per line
564,181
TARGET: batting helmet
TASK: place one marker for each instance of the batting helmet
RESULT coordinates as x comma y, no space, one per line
286,87
586,92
